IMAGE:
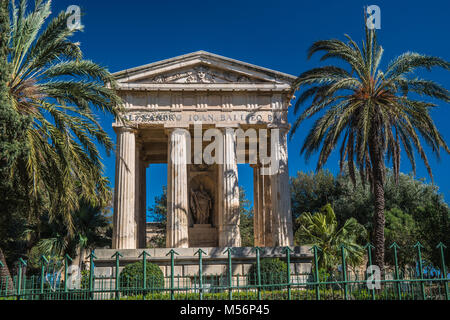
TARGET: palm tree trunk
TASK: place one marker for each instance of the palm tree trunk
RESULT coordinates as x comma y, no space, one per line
378,222
377,159
5,275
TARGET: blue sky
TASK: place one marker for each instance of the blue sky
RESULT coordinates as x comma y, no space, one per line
272,34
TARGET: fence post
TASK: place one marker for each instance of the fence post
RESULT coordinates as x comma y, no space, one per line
200,271
230,273
117,255
418,245
91,274
66,262
172,270
344,271
315,250
19,284
395,246
144,255
258,269
44,262
441,247
369,248
288,251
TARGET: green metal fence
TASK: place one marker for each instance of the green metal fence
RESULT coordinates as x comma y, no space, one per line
344,284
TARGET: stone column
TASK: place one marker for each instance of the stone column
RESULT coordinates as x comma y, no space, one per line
281,196
262,209
257,209
137,190
125,223
143,205
177,193
268,216
229,234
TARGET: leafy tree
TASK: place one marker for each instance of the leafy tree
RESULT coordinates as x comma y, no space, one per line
400,228
93,229
246,220
158,213
433,225
414,197
311,191
321,229
50,83
12,128
372,114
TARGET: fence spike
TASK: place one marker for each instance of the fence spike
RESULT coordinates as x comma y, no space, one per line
117,254
315,247
43,260
172,252
394,245
418,245
229,250
199,252
144,254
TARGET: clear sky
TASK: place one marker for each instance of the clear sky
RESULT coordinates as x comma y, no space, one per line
271,34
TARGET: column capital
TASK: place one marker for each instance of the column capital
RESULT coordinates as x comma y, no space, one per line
224,126
284,128
121,128
170,130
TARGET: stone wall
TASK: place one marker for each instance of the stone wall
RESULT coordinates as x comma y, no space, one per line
215,262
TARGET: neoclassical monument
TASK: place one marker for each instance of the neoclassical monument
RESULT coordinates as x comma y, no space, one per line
171,106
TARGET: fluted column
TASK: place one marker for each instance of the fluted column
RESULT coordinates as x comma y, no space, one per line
281,196
257,209
142,205
177,195
125,223
229,234
262,209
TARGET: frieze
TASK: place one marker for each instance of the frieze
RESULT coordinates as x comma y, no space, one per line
201,74
206,117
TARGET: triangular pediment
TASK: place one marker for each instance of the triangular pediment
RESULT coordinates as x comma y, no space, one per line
201,67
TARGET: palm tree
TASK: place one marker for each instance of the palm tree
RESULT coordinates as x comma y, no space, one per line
372,114
58,91
321,229
92,230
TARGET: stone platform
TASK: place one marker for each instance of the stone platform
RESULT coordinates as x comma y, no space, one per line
202,235
215,262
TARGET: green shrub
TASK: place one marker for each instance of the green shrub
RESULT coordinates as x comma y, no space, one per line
273,271
131,278
296,294
324,276
85,279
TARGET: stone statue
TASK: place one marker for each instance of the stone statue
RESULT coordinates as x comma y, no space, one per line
201,204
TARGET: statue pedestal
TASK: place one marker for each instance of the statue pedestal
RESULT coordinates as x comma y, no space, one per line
203,235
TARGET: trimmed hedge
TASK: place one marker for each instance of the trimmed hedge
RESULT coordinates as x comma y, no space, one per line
274,295
132,275
273,271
